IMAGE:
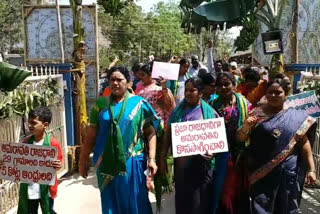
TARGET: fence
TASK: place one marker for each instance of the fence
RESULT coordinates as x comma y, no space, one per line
10,130
316,150
312,75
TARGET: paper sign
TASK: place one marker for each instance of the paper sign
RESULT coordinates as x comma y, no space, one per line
168,71
27,163
199,137
306,101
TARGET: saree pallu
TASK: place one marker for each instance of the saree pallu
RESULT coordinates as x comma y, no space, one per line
230,188
126,193
192,174
273,160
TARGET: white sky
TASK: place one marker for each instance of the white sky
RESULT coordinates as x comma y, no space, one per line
66,2
145,4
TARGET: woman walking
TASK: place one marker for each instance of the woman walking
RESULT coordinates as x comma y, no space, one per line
230,185
121,127
192,174
278,146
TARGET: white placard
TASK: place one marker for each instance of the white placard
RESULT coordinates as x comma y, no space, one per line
199,137
168,71
27,163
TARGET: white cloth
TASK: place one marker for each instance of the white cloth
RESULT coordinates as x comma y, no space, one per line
210,62
34,189
180,90
193,72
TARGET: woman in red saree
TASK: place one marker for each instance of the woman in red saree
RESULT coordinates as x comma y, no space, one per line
252,88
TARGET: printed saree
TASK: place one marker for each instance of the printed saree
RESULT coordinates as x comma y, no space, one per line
273,160
126,192
229,181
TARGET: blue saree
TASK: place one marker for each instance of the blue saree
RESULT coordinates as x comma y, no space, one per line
273,161
126,193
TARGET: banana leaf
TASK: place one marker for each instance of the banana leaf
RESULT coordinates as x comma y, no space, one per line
217,12
11,76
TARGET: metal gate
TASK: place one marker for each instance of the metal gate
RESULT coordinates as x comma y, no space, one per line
10,132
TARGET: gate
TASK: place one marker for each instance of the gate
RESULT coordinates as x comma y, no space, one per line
10,131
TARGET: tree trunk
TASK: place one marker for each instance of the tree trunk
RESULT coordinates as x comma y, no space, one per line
79,71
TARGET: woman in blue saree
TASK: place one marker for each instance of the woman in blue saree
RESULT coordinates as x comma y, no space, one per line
278,145
192,174
121,126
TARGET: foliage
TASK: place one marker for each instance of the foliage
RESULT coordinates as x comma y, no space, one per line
248,33
223,47
11,76
114,7
135,35
311,85
10,24
23,99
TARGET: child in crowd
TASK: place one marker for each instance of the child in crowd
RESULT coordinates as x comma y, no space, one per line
31,195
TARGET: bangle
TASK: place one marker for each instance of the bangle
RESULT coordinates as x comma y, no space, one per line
164,88
245,133
151,159
311,171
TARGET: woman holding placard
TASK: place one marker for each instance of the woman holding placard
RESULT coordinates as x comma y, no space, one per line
229,180
192,174
278,152
157,94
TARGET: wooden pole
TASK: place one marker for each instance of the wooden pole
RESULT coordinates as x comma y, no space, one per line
79,71
60,31
97,48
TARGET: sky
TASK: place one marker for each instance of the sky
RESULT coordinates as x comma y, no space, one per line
145,4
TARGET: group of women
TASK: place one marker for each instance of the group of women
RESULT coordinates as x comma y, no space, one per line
264,170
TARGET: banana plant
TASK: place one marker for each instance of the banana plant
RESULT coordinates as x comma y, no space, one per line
22,100
11,76
270,12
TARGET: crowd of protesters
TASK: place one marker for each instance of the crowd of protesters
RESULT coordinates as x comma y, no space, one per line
269,157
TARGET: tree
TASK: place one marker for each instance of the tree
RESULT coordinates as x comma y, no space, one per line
79,71
135,35
10,24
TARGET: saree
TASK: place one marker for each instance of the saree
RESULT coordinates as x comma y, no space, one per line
177,87
126,192
161,103
230,188
253,95
192,174
274,161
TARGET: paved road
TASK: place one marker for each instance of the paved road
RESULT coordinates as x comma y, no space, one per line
81,196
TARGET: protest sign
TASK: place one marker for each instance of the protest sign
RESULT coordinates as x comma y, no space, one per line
27,163
199,137
306,101
168,71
